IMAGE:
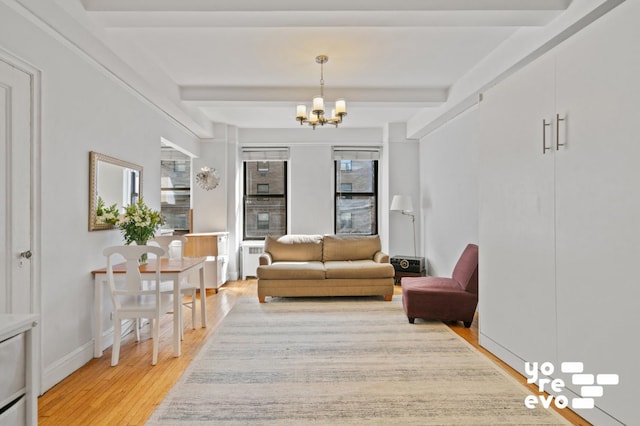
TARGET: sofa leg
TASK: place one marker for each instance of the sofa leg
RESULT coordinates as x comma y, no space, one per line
467,323
411,320
261,299
388,297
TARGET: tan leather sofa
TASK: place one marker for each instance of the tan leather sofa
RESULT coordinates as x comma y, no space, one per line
329,265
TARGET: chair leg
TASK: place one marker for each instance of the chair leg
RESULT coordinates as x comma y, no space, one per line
193,310
154,325
117,333
138,326
180,319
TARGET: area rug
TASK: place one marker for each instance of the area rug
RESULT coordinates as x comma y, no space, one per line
341,361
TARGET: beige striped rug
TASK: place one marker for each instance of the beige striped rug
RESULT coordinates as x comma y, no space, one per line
341,361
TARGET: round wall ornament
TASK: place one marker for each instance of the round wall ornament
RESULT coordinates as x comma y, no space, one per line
207,178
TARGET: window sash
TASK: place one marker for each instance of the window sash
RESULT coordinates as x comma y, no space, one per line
356,202
264,213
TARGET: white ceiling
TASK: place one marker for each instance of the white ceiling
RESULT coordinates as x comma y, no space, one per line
249,62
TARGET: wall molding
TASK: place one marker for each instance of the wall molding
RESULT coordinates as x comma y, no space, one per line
35,75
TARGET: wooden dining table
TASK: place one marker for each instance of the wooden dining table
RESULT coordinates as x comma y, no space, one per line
173,270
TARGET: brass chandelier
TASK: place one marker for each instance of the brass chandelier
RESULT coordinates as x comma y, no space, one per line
317,116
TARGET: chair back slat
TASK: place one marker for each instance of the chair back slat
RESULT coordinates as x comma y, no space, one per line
167,243
133,288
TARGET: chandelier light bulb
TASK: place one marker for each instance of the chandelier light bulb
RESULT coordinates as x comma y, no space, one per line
318,105
301,111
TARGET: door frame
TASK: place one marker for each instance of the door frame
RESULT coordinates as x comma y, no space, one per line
35,77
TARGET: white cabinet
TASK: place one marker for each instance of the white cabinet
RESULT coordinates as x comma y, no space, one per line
214,246
516,231
598,204
18,384
560,231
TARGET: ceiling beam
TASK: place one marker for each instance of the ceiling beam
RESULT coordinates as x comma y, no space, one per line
358,19
410,96
332,5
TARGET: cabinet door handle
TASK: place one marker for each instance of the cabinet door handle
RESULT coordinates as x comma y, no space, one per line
558,120
544,136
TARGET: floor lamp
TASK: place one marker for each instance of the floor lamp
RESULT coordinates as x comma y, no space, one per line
402,203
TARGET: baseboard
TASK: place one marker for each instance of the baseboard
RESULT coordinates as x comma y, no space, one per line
594,416
65,366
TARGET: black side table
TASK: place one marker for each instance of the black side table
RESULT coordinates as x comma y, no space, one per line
400,274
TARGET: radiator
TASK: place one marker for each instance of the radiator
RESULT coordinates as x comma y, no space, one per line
251,251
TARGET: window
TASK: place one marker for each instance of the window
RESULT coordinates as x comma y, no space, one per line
263,221
356,197
346,187
346,220
175,189
265,199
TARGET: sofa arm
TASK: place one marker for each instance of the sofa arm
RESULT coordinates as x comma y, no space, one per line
381,257
265,259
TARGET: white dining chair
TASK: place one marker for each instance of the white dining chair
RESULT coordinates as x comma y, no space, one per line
174,248
131,300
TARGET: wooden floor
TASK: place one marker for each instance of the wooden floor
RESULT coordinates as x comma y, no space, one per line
98,394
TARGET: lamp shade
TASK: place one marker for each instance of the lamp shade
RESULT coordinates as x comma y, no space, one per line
401,203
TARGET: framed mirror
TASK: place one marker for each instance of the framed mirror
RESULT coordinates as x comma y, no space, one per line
113,181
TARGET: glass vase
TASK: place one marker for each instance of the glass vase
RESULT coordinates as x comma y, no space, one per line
143,257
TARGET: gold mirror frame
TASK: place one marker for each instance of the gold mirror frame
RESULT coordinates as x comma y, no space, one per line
94,160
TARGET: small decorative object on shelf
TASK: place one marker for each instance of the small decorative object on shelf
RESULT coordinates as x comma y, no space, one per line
208,178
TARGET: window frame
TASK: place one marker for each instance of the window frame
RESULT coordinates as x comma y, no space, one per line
338,193
184,166
246,164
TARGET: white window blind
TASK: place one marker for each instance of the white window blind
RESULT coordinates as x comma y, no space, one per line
264,154
355,153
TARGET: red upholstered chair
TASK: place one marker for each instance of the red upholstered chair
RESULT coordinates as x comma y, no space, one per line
445,299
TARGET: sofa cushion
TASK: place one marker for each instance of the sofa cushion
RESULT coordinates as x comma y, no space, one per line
345,269
292,271
297,248
349,247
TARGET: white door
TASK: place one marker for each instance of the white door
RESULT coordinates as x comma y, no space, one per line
598,205
516,221
15,191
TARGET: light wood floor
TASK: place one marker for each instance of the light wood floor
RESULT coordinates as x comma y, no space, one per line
98,394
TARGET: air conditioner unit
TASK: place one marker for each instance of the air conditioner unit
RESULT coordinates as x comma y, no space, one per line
251,251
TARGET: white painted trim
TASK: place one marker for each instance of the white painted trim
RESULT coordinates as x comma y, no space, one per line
46,16
57,371
35,76
595,416
420,130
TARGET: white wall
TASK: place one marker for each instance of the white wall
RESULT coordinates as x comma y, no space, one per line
210,207
404,173
311,170
449,191
83,109
311,190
